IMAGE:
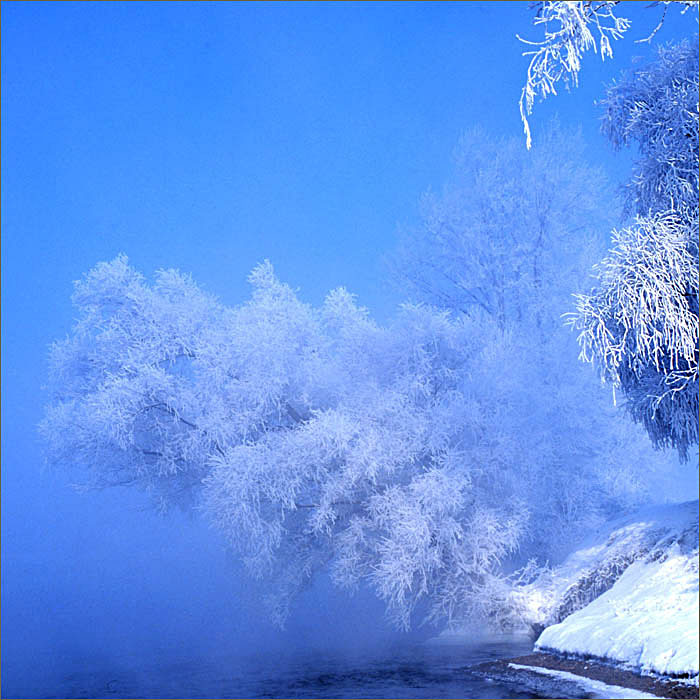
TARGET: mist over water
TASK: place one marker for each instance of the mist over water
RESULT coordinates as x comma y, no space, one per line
397,668
176,617
143,589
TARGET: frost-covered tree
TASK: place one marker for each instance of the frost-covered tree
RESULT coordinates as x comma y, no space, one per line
313,438
507,239
400,458
510,232
640,326
655,108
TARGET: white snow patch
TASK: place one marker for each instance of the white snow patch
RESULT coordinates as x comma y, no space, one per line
648,619
593,567
600,689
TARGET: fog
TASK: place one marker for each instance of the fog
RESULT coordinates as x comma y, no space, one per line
101,580
209,137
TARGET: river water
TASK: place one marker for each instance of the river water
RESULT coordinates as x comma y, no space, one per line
408,670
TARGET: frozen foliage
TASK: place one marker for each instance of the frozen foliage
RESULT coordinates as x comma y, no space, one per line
511,232
130,401
506,240
656,108
322,439
640,325
570,30
406,458
649,618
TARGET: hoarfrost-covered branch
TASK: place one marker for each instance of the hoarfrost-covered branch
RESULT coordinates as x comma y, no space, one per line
567,36
570,30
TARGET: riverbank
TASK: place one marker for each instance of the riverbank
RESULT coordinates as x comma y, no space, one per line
628,597
580,678
621,610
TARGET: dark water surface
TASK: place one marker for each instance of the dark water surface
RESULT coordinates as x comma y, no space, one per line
411,670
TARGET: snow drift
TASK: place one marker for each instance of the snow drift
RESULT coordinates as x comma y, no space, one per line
630,597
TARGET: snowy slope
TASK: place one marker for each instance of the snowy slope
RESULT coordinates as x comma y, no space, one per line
598,563
638,586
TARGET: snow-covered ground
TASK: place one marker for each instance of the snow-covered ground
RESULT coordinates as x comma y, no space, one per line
630,597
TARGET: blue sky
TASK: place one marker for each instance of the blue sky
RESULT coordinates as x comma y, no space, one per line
208,137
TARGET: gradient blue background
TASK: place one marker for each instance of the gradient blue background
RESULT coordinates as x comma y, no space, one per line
209,136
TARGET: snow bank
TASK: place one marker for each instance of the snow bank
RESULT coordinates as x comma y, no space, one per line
597,564
648,617
628,595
